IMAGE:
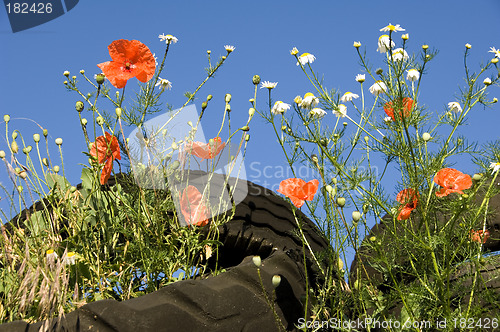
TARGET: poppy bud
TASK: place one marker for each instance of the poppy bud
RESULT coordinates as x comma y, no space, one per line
14,135
100,120
204,105
251,111
477,177
23,175
27,149
314,158
256,261
245,128
174,146
175,164
6,118
45,161
356,215
247,137
209,97
99,78
56,169
323,142
14,147
20,189
59,141
341,201
45,132
227,98
334,180
2,154
118,112
228,108
256,79
36,138
276,280
366,208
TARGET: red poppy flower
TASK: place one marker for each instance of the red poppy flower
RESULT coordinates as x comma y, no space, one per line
479,236
409,199
452,181
298,190
131,58
206,150
195,212
106,149
406,104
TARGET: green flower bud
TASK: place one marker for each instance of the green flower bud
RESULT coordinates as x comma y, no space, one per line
251,111
245,128
65,82
14,135
341,201
100,120
314,158
379,71
73,78
6,118
256,261
45,161
340,264
367,139
59,141
227,98
2,154
329,189
118,112
45,132
477,177
334,180
209,97
36,138
276,280
20,189
373,238
204,105
23,175
174,146
99,78
228,108
14,147
426,137
356,285
82,71
66,73
247,137
356,215
27,149
366,208
256,79
175,164
84,122
56,169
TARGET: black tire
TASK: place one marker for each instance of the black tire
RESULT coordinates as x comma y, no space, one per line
236,300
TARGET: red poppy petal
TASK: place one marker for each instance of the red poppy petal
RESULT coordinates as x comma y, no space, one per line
289,186
106,171
310,189
405,213
296,201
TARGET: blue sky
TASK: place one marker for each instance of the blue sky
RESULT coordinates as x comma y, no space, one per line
263,33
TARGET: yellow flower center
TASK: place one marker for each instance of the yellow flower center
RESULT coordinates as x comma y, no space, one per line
309,94
304,55
70,254
50,252
391,27
383,36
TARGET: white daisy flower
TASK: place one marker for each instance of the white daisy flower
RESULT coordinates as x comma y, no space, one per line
294,51
306,58
360,78
387,119
399,54
66,73
495,51
51,256
269,85
454,107
341,112
229,48
385,43
164,84
356,44
298,100
377,88
70,258
413,75
309,101
280,107
348,96
317,113
394,28
487,81
169,39
495,167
